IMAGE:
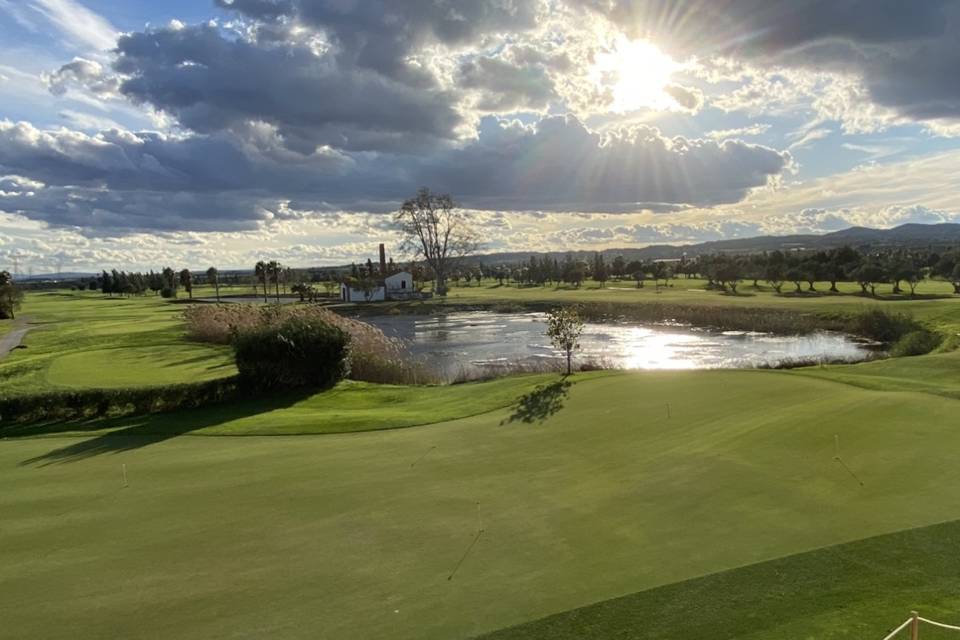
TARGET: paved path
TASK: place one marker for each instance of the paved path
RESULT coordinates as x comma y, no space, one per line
11,340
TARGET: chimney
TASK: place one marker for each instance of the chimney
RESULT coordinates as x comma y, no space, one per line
383,261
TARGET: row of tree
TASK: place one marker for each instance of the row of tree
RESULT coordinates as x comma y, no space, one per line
901,269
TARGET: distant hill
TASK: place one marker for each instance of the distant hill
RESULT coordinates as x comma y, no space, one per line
914,236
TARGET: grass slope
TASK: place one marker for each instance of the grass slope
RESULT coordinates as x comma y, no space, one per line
861,589
349,407
84,340
355,535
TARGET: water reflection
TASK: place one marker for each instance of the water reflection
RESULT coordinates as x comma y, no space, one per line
486,339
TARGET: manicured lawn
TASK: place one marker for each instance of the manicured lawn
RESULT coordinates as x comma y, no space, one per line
934,303
84,339
351,406
355,535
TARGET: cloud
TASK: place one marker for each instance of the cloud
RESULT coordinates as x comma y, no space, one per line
88,74
905,54
107,183
739,132
690,98
561,165
79,25
505,87
211,83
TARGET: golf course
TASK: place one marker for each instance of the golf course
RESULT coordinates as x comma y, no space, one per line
818,502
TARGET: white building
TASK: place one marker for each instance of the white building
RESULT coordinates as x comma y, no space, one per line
398,286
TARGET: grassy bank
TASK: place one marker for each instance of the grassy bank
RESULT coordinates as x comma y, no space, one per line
86,340
586,493
349,407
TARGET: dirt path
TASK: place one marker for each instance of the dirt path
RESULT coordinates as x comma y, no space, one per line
11,340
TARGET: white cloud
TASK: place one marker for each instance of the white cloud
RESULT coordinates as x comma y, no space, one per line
84,28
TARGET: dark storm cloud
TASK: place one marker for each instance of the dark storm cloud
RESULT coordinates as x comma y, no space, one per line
109,184
378,34
210,82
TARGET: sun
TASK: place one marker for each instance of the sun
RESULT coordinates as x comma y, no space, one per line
637,74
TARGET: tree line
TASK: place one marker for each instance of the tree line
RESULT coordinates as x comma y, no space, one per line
901,269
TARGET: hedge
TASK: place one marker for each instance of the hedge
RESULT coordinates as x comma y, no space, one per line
86,404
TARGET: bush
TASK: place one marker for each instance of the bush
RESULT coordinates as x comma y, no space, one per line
916,343
102,403
296,353
373,356
883,326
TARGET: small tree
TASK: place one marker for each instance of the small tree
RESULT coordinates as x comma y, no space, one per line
10,296
213,276
186,281
261,273
564,327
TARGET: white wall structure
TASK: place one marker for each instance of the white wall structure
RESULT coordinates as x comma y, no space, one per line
350,294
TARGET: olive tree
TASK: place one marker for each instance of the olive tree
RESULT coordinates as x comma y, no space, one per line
437,231
10,296
563,328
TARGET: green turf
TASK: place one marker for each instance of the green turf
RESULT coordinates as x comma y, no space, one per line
861,589
83,340
934,303
354,535
349,407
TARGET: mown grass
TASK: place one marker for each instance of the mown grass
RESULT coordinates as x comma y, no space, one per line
87,340
348,407
586,493
861,589
934,304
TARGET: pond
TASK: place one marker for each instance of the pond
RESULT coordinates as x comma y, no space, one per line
461,342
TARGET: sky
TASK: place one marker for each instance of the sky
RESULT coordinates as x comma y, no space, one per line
196,133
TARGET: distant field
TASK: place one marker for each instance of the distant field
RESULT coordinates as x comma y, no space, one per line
935,302
354,535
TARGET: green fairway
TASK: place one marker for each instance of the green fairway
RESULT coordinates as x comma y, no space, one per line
598,495
84,340
351,406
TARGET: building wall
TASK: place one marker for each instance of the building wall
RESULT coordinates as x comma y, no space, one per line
349,294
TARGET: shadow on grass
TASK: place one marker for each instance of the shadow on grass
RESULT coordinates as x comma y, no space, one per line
541,403
135,432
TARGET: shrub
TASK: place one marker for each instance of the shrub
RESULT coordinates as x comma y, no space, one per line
295,353
916,343
883,326
373,356
101,403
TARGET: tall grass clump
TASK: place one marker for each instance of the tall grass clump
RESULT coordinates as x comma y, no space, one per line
372,355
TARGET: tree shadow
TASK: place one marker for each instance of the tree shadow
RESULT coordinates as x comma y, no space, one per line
541,403
135,432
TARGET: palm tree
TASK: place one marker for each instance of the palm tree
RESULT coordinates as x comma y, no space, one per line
260,270
275,271
214,276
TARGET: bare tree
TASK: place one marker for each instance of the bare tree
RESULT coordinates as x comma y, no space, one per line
436,230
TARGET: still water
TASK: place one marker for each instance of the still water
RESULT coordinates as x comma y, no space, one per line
483,340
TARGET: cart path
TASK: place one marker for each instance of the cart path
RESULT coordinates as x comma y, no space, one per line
12,340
